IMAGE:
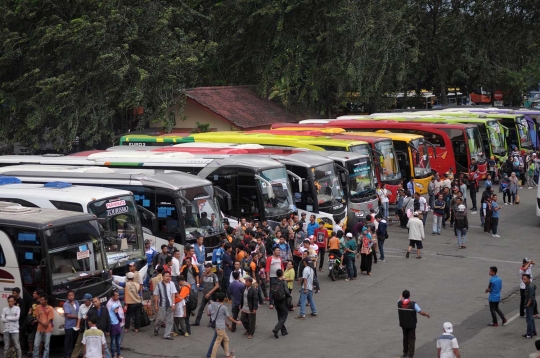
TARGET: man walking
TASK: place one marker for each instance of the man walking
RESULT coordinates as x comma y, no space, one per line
447,344
281,305
249,304
461,225
273,263
236,290
494,289
416,235
164,295
438,214
530,302
306,290
210,285
10,317
407,311
220,314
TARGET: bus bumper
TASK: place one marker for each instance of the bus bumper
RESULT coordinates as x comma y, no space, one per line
421,184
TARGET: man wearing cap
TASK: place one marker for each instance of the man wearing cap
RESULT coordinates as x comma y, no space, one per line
210,285
137,277
447,344
407,311
133,300
81,325
416,235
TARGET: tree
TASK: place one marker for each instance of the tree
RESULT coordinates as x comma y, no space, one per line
77,67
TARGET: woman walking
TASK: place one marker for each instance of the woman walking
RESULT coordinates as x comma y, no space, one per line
366,259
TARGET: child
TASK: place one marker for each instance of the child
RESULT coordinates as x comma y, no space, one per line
93,340
116,329
289,278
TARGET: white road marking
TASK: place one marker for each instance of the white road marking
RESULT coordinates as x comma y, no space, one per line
512,318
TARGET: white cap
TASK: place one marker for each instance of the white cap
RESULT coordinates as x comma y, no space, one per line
349,234
311,236
130,275
447,326
415,213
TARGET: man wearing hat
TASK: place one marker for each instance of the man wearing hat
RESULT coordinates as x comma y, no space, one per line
447,344
210,283
416,235
78,350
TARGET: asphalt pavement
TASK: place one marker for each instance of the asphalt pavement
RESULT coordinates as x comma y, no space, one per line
359,318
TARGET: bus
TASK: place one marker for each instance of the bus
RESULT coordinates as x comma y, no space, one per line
172,203
417,165
491,131
518,133
54,250
354,171
116,211
531,118
456,144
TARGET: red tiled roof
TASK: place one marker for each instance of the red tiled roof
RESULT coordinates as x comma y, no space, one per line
240,105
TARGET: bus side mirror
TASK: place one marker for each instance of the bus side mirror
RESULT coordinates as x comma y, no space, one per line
146,215
343,178
305,187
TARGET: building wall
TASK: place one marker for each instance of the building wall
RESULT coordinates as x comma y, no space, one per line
194,113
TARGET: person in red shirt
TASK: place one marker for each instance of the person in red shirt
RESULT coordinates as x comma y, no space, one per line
321,238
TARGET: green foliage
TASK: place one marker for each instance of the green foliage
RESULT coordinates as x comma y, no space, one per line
82,67
201,128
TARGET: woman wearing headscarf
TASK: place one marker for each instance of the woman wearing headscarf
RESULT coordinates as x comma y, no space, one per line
365,251
513,186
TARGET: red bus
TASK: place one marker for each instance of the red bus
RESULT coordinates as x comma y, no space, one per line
456,144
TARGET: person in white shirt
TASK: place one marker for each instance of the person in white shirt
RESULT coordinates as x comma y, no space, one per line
416,235
423,206
447,344
10,317
164,295
525,269
94,340
175,268
385,202
81,324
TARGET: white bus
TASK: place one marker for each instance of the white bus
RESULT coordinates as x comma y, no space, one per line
55,250
115,209
171,204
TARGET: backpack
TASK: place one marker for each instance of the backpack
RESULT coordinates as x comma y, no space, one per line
278,291
192,300
246,264
215,255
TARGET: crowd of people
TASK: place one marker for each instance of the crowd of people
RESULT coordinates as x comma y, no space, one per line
258,265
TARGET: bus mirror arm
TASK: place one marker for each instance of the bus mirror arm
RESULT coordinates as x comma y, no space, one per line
433,147
344,174
268,184
225,195
375,151
148,215
297,178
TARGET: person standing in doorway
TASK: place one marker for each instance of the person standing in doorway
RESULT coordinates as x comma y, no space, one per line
164,295
494,289
407,311
10,317
416,235
530,302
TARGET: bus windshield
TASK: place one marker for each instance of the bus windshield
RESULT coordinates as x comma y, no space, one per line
523,132
282,202
475,143
326,184
205,218
420,158
119,219
75,254
361,177
496,137
389,167
360,149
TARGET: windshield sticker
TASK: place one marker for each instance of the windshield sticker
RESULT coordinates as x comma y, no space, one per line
163,211
115,204
83,248
83,254
117,211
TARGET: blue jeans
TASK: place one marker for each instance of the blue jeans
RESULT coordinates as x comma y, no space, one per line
531,327
351,267
201,270
384,207
431,200
209,353
381,248
309,298
116,341
461,236
46,338
437,221
425,217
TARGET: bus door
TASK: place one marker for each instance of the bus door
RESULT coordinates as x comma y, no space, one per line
459,146
403,155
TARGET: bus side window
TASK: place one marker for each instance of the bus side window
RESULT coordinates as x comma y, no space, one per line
2,257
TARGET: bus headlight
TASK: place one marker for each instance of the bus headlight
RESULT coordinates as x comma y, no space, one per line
60,311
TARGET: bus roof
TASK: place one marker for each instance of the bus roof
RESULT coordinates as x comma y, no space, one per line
68,193
39,218
389,134
95,175
304,159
